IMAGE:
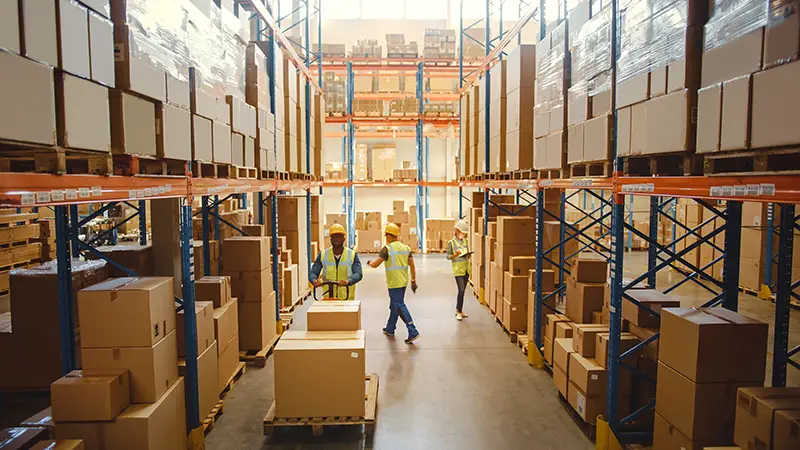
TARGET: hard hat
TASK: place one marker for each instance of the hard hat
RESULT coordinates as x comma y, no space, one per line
392,229
462,226
336,229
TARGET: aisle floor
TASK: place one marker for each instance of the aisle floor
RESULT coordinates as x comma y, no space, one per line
461,385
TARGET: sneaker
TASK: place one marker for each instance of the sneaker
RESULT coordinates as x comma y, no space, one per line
464,315
411,339
387,333
459,316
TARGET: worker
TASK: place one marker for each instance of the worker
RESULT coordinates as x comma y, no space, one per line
458,254
399,262
341,265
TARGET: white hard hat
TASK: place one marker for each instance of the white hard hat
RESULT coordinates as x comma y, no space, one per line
462,226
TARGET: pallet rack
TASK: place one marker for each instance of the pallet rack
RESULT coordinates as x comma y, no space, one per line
63,194
722,196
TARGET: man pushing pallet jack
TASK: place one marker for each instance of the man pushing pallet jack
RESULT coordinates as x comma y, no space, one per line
342,267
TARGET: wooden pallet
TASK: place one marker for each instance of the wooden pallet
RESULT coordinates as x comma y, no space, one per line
202,169
550,174
240,371
286,320
274,175
404,180
129,164
671,164
244,173
56,160
317,424
526,174
588,429
17,220
512,335
213,416
602,169
522,343
784,161
259,358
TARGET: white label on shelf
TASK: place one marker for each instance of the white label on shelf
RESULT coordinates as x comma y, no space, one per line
767,189
753,189
354,355
148,192
715,191
140,193
84,192
97,191
43,197
168,188
58,195
581,183
132,193
162,190
546,183
612,308
727,191
27,199
71,194
740,190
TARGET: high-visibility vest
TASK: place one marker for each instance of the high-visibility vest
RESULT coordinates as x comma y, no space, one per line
460,264
340,271
397,265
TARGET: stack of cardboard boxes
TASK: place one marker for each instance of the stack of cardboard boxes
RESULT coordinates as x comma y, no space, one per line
521,72
497,117
288,77
439,43
384,160
217,290
705,356
438,233
767,418
516,237
257,96
335,345
369,228
407,221
293,215
589,96
747,69
129,351
550,111
247,263
467,166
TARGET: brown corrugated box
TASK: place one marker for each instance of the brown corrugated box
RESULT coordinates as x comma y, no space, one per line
334,316
713,345
756,409
564,330
202,140
583,298
584,338
221,137
207,379
505,252
782,39
515,315
550,323
649,298
153,369
79,398
228,362
575,141
174,138
10,27
226,322
215,289
133,124
521,265
597,137
516,230
134,74
257,323
246,253
626,342
515,288
785,435
340,355
126,312
562,348
591,270
633,90
776,101
741,56
204,327
709,118
736,106
251,286
667,437
28,98
83,114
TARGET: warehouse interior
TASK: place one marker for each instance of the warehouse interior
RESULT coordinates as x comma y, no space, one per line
399,224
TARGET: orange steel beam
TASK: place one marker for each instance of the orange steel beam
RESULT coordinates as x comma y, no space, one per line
758,188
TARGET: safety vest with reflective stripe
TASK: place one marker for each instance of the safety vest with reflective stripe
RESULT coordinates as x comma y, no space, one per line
397,265
460,265
341,271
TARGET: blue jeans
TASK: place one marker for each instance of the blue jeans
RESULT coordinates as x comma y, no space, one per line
397,308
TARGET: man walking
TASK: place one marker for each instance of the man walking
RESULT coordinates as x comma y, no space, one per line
341,265
399,262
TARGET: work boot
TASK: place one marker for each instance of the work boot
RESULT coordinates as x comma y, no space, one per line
387,333
459,316
411,339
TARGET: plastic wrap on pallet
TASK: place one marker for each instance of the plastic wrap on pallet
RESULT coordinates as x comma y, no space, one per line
591,56
231,64
550,73
51,268
653,34
731,19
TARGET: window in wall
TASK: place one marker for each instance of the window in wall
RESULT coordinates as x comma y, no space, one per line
428,9
382,9
341,9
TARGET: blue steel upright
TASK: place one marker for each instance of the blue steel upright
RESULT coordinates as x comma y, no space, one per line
421,213
65,302
189,319
142,222
652,250
615,311
733,242
204,212
783,296
537,316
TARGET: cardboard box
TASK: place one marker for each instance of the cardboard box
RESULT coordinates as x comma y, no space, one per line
207,380
651,350
126,312
548,280
257,323
175,132
668,437
786,424
575,141
587,376
709,118
548,349
735,113
228,362
713,345
668,127
584,338
515,288
62,444
776,100
245,253
133,72
515,315
564,330
516,230
755,412
588,405
10,27
583,298
550,322
741,56
28,98
633,90
334,316
626,342
505,252
251,286
204,314
202,139
701,411
73,38
521,265
782,39
83,114
591,270
101,49
562,348
561,381
624,131
133,124
214,289
153,369
651,299
79,398
226,322
340,355
221,138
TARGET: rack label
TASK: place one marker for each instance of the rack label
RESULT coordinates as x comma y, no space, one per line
168,188
43,197
71,194
84,192
581,183
162,190
97,191
132,194
140,193
545,183
715,191
57,195
767,189
27,199
740,190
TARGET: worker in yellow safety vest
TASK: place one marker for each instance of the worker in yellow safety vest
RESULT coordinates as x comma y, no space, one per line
341,265
399,262
458,254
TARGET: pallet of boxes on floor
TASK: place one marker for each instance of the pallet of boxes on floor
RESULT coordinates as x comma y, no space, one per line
438,233
550,111
407,221
334,344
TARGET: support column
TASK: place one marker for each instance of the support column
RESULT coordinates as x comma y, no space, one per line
65,300
189,320
615,309
733,242
206,240
783,296
142,222
652,250
537,313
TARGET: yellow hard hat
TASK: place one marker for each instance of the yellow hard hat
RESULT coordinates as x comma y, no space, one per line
336,229
392,229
